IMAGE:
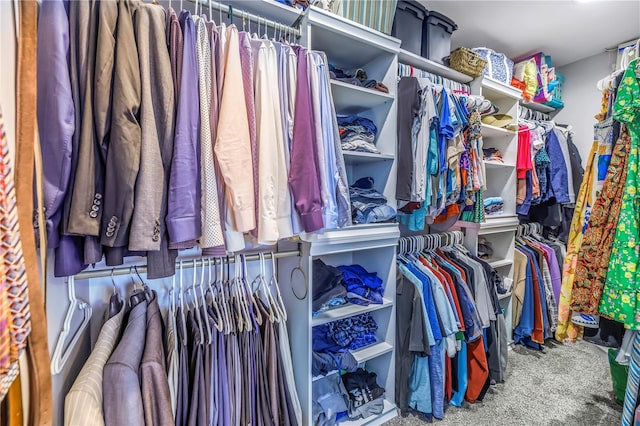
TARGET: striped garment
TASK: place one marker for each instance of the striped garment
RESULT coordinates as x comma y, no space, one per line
376,14
631,394
15,322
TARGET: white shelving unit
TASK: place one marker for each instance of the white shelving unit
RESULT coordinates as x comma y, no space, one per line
349,46
410,58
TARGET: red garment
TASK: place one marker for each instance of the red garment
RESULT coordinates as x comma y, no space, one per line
477,369
446,279
523,162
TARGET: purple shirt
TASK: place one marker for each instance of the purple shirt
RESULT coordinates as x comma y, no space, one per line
55,111
303,174
183,216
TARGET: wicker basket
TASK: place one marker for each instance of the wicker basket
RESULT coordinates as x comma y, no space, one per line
467,61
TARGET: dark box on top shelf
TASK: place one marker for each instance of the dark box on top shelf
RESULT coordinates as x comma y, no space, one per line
423,32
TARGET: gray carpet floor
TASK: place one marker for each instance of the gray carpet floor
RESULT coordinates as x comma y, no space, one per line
568,384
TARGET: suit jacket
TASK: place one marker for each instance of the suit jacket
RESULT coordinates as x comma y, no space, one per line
157,125
56,120
123,157
162,263
83,403
121,383
153,374
94,47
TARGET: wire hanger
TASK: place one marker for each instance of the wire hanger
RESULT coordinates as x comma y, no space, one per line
61,353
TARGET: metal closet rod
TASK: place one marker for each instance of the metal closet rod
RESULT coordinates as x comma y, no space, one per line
241,14
186,264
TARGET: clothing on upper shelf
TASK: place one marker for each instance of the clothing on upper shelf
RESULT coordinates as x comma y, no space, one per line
358,134
439,170
493,206
170,131
367,204
450,343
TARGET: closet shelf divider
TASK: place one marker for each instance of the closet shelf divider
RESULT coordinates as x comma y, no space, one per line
497,164
346,95
489,132
372,351
348,310
357,157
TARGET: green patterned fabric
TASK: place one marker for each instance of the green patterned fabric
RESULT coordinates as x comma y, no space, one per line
376,14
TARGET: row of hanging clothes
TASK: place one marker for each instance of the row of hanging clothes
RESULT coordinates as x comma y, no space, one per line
219,356
599,275
440,174
537,279
451,337
166,131
549,172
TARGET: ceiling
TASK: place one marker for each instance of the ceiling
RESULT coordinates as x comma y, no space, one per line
566,30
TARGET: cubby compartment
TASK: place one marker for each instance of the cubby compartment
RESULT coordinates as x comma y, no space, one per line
502,183
501,243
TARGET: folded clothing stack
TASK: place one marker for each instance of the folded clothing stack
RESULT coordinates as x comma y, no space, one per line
367,204
357,133
351,333
492,154
363,287
323,363
348,397
493,206
365,395
328,288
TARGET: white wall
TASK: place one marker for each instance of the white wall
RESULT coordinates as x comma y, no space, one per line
8,71
582,98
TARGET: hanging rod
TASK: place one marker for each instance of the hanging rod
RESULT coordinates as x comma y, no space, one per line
241,14
435,78
186,264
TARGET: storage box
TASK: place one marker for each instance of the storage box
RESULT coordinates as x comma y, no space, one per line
408,25
423,32
437,36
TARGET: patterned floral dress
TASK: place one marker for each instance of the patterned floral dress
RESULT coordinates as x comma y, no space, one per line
621,296
593,258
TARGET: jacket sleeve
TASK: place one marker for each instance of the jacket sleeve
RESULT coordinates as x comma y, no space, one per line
123,158
303,173
55,110
233,143
156,121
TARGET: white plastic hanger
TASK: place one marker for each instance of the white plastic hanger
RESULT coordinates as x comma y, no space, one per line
182,308
61,353
218,320
196,306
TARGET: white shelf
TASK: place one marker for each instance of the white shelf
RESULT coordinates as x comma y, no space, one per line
348,310
497,165
504,296
352,99
410,58
499,223
497,263
357,157
489,132
371,352
347,43
388,412
493,89
537,107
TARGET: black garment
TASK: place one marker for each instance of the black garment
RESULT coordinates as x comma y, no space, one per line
362,387
327,284
408,108
411,336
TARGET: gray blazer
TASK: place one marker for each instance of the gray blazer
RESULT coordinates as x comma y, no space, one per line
123,157
156,122
121,383
153,373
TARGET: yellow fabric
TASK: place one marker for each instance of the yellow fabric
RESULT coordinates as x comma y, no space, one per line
530,79
586,197
14,406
